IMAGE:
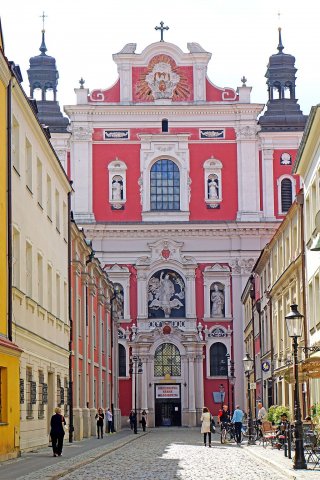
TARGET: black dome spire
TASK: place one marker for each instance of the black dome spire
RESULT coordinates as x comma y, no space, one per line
43,77
283,112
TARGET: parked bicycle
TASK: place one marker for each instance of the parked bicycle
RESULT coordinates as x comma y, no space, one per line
227,432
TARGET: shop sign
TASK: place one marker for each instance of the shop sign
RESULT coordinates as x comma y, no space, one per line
167,391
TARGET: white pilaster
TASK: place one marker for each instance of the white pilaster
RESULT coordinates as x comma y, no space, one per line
267,183
248,173
81,172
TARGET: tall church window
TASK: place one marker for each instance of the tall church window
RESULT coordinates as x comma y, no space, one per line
122,361
218,360
167,361
165,186
286,194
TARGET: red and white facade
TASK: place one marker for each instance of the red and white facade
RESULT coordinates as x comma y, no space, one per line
179,191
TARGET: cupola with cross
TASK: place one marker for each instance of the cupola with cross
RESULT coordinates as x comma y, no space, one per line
283,112
43,79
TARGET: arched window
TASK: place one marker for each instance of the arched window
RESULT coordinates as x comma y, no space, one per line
122,361
167,361
218,360
164,186
286,194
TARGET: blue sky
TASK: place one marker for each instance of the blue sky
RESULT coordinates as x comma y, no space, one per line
241,35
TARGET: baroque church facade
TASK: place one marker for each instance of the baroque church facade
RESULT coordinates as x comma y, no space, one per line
180,184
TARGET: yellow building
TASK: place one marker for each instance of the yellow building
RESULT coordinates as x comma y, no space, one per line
281,283
9,352
307,165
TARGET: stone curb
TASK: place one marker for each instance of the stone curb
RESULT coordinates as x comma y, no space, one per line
71,469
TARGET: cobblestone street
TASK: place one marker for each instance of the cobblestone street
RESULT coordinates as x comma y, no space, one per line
167,454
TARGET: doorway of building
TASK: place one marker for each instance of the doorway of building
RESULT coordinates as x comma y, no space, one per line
167,406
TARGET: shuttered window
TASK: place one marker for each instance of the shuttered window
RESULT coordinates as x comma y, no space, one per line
286,194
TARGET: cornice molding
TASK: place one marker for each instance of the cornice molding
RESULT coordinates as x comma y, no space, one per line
143,230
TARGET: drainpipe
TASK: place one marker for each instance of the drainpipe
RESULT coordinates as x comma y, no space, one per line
71,426
271,351
9,209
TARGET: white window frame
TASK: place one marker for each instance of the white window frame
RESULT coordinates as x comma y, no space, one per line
293,184
165,147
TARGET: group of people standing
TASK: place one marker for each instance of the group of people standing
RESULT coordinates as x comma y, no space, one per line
100,422
58,427
132,420
224,417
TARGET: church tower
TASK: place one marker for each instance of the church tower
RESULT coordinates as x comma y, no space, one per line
283,112
43,79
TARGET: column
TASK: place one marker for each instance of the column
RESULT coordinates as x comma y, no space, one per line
190,296
199,385
81,171
142,292
248,173
144,384
192,406
267,183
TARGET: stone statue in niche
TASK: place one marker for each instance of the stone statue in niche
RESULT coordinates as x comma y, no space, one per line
213,187
117,188
217,300
166,295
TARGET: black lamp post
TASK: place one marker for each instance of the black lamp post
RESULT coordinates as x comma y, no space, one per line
294,321
135,368
248,366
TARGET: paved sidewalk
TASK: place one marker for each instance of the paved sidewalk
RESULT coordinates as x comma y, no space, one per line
40,464
276,459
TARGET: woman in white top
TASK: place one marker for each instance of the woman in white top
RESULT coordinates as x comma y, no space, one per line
206,425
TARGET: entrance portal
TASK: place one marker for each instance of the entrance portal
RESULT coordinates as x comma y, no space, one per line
167,406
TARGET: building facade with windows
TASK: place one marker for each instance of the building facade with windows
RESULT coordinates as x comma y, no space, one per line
40,190
308,166
279,282
179,186
94,334
9,352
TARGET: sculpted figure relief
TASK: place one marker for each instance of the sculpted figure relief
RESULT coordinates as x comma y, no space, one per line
165,292
116,190
217,301
213,187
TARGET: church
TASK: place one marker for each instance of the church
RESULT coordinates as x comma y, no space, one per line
179,184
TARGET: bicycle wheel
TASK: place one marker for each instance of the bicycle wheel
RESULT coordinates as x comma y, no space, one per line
223,435
229,436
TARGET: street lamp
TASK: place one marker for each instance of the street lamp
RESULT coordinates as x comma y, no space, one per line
135,368
294,321
248,366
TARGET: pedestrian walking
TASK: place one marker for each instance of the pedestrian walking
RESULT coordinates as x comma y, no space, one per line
144,420
109,420
262,413
132,419
237,420
57,425
206,426
100,422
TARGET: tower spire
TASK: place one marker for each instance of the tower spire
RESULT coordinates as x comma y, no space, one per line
43,47
280,45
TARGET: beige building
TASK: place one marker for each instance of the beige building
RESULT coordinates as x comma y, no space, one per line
280,283
308,166
40,191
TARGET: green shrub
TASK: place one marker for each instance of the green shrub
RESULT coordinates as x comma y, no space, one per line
275,412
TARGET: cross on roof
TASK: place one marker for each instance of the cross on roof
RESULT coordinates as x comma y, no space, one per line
161,28
43,16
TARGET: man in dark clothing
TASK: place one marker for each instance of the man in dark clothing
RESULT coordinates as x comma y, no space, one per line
225,416
57,424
